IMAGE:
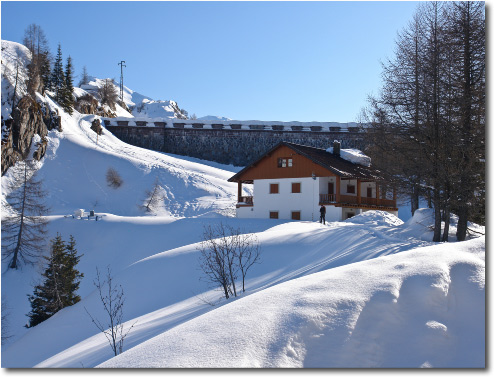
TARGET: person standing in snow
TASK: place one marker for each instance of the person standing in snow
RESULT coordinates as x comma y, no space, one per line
322,219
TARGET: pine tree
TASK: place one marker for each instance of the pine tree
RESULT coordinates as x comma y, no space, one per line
73,276
68,90
57,77
61,281
48,298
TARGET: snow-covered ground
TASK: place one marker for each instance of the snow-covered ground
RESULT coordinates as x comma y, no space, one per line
372,291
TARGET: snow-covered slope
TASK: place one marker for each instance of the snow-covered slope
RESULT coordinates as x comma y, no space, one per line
420,308
77,162
142,106
15,58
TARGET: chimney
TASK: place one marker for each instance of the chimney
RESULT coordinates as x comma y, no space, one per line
336,148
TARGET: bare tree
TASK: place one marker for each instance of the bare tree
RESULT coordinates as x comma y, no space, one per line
153,196
108,93
85,77
226,252
17,62
5,323
39,68
112,298
24,227
248,253
113,179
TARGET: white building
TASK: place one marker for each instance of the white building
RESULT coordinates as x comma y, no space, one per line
293,181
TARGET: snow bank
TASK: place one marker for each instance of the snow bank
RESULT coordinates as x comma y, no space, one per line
378,218
422,308
353,155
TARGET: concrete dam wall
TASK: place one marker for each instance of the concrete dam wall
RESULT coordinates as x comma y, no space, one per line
229,142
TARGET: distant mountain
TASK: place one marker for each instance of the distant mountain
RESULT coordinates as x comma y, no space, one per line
213,117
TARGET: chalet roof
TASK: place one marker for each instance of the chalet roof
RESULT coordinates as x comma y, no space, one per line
327,160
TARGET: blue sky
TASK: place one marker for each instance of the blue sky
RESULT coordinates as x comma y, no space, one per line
286,61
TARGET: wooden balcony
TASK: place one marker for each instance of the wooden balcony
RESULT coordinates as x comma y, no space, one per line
351,200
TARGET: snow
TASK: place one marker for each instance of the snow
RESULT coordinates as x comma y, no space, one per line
353,155
400,311
13,53
371,291
156,109
213,117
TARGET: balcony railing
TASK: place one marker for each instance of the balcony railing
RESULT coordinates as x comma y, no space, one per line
353,200
246,200
327,198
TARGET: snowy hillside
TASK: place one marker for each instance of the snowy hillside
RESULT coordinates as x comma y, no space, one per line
140,105
372,291
15,58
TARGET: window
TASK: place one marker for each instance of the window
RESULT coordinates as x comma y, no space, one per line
273,214
295,215
350,189
274,188
296,188
285,162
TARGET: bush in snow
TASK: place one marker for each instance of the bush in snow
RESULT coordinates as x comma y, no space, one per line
113,179
112,298
226,254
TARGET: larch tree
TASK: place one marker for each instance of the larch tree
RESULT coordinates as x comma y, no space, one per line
24,224
427,124
84,77
39,68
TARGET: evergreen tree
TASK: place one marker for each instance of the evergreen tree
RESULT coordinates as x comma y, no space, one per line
68,90
47,298
73,276
57,77
61,281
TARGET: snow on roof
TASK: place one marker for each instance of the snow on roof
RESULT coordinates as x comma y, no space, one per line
353,155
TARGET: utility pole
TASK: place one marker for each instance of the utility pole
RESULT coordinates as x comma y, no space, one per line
121,78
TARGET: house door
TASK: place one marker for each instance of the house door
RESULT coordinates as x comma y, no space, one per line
369,192
330,188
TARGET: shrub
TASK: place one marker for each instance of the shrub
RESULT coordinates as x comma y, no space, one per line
113,179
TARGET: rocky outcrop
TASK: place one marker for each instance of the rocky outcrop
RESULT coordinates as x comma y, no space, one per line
87,104
97,127
28,119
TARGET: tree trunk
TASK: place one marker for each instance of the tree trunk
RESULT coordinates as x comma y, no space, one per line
437,217
13,263
446,224
461,229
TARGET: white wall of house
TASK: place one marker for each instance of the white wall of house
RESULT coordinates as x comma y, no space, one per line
307,201
285,201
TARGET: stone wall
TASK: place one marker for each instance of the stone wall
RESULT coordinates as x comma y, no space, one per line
236,147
